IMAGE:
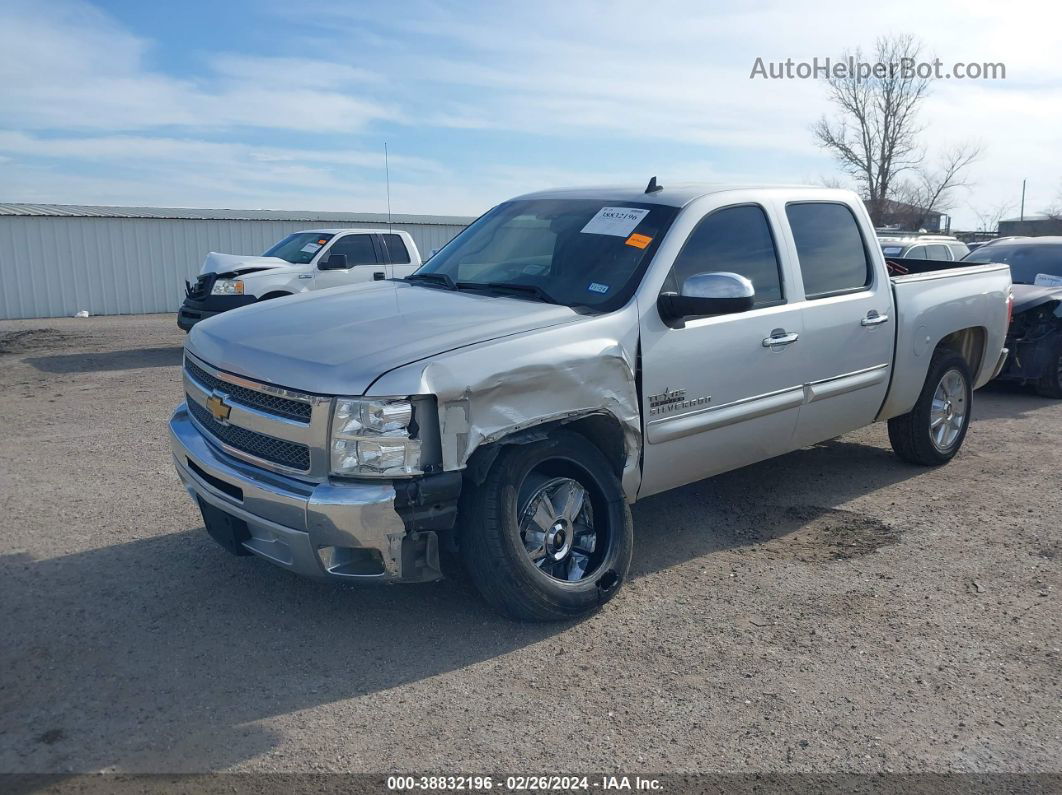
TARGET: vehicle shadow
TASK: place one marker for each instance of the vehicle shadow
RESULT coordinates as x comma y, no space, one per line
165,654
131,359
1005,400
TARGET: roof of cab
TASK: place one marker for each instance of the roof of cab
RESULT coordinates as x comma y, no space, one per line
670,195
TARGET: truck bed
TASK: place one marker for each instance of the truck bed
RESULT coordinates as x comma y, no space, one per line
933,298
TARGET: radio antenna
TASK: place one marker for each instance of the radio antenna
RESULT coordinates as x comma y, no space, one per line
387,177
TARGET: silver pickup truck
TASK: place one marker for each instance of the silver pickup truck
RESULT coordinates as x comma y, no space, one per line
570,352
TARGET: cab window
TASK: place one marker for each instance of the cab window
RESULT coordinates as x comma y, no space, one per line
358,248
737,240
395,249
830,248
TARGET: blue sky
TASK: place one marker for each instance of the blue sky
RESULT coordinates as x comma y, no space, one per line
283,105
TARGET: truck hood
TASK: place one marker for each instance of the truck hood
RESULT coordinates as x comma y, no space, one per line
239,263
1030,296
338,341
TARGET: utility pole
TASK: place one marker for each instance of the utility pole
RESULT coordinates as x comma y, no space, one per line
1022,218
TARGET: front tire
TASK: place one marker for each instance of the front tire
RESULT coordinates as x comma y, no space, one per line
933,431
548,534
1050,383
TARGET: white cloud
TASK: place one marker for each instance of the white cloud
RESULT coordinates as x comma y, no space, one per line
69,66
667,81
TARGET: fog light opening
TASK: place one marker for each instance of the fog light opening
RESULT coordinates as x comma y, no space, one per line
351,561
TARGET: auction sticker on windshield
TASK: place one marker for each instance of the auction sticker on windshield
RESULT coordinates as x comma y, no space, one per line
1047,280
618,221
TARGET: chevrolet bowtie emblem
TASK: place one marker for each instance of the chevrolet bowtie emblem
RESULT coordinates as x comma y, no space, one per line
217,406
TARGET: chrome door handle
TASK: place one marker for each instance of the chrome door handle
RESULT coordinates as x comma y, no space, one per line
780,339
874,319
305,275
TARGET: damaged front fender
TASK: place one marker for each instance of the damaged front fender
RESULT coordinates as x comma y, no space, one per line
490,391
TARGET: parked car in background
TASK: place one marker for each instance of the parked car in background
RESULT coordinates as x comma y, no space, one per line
912,245
1035,336
568,353
309,260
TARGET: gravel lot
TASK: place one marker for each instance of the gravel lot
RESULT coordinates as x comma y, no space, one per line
834,609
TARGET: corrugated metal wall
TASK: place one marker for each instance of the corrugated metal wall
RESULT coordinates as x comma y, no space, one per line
54,267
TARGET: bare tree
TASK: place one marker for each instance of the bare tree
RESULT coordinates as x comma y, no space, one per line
875,137
1054,212
931,190
988,219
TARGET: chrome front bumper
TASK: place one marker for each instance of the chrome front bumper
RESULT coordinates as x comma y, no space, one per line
350,531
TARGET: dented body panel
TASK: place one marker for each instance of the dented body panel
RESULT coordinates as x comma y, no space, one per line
488,391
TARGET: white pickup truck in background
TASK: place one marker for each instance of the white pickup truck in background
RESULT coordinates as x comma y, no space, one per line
312,259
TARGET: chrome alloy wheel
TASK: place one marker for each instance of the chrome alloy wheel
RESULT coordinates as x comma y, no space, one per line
557,529
948,412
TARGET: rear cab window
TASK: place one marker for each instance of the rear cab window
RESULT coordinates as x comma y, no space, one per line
394,249
830,249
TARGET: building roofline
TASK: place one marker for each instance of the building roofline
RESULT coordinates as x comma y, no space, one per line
17,209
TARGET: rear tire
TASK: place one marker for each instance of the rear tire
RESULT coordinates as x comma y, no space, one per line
1050,383
525,554
933,431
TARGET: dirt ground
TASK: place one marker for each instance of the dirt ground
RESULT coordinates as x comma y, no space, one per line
831,610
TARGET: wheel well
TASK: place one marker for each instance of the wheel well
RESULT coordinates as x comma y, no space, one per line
274,294
968,343
604,432
601,430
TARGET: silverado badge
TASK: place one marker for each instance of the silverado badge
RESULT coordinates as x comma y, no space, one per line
671,400
218,407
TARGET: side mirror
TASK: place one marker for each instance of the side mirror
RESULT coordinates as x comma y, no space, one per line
335,262
708,294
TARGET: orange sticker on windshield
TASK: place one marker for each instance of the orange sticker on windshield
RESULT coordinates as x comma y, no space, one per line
639,241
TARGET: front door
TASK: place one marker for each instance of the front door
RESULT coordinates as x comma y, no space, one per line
363,263
722,391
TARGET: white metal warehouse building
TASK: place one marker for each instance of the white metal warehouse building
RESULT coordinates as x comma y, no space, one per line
57,259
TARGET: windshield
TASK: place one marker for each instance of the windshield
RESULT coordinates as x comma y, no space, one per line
299,248
1026,261
576,252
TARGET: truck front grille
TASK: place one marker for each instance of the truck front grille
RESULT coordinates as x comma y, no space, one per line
263,401
276,451
200,290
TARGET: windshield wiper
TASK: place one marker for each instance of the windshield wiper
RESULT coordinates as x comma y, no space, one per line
435,278
532,290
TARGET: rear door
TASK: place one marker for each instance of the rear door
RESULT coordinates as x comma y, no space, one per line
717,393
363,262
849,326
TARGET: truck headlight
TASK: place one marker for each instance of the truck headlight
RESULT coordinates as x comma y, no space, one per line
227,287
373,437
